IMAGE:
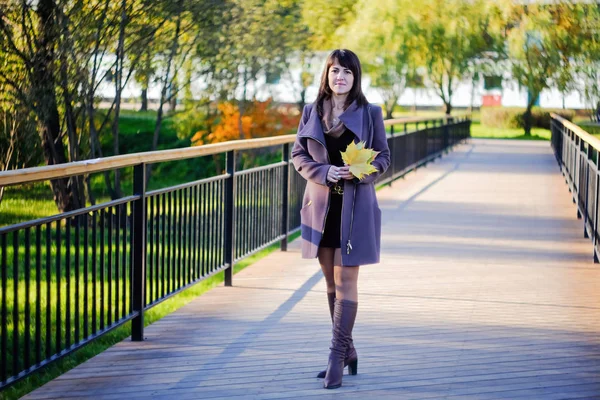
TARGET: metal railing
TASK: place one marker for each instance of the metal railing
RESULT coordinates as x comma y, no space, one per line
70,278
577,154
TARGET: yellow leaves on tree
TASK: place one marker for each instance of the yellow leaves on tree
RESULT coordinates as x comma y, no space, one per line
359,159
261,119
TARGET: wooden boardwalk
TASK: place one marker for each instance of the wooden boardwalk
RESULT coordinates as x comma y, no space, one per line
486,290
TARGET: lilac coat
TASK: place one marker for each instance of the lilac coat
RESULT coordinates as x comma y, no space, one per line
361,216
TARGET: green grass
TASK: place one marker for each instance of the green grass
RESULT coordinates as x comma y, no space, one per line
590,127
99,345
26,203
484,132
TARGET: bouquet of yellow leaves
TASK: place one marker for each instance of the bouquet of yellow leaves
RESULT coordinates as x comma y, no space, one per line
359,159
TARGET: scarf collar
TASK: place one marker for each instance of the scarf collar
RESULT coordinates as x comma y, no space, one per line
331,126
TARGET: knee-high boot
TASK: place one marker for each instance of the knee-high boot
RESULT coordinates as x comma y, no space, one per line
351,359
344,316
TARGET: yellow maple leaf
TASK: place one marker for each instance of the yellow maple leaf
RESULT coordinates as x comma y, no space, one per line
359,159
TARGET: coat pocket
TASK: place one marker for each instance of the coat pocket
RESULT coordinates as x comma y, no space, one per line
306,222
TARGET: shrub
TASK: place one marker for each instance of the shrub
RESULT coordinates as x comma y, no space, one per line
513,117
591,129
541,117
261,119
501,117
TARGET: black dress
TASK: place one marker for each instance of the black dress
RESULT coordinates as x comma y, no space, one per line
333,221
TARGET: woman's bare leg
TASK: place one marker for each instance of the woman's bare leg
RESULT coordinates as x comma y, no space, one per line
346,282
325,255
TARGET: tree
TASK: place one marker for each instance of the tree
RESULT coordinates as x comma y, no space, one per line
29,38
326,21
378,33
19,143
262,38
389,76
544,42
589,61
447,37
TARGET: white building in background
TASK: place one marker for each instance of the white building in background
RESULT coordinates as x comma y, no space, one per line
488,91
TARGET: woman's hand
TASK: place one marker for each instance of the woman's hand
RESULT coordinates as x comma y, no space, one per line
336,173
345,173
333,174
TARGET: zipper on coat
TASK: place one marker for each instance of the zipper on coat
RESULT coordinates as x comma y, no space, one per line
349,244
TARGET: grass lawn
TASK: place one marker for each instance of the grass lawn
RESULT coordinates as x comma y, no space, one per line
99,345
484,132
590,127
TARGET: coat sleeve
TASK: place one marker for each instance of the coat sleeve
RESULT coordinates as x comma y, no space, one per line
380,144
306,166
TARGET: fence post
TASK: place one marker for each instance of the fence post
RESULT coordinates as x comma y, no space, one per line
285,195
596,203
139,252
587,168
392,154
446,134
229,209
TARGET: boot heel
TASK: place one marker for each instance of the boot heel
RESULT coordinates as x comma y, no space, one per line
353,368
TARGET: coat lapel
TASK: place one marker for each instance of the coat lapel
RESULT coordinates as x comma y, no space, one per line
353,119
313,128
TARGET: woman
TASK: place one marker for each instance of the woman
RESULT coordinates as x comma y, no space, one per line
341,221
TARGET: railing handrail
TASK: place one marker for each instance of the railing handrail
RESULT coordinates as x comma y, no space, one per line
48,172
410,120
34,174
593,141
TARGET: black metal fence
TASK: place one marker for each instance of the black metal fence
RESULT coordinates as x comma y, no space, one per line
577,154
72,277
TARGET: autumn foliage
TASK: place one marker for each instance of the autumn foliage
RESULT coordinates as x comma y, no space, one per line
260,119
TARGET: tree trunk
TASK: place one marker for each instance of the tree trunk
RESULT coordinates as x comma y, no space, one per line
94,142
9,152
242,105
165,86
46,109
96,150
302,101
144,99
472,94
146,80
527,119
389,107
173,96
71,124
388,112
414,110
118,91
448,108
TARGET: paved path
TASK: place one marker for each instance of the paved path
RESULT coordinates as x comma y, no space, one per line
486,290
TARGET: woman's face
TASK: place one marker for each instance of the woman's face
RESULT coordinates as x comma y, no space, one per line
340,78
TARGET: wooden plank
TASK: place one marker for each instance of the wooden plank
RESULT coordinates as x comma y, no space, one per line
486,290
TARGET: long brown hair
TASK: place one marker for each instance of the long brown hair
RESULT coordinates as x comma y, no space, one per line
346,59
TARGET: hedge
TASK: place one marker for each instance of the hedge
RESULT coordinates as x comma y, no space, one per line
512,117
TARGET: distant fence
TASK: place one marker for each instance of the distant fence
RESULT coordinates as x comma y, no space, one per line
577,154
70,278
